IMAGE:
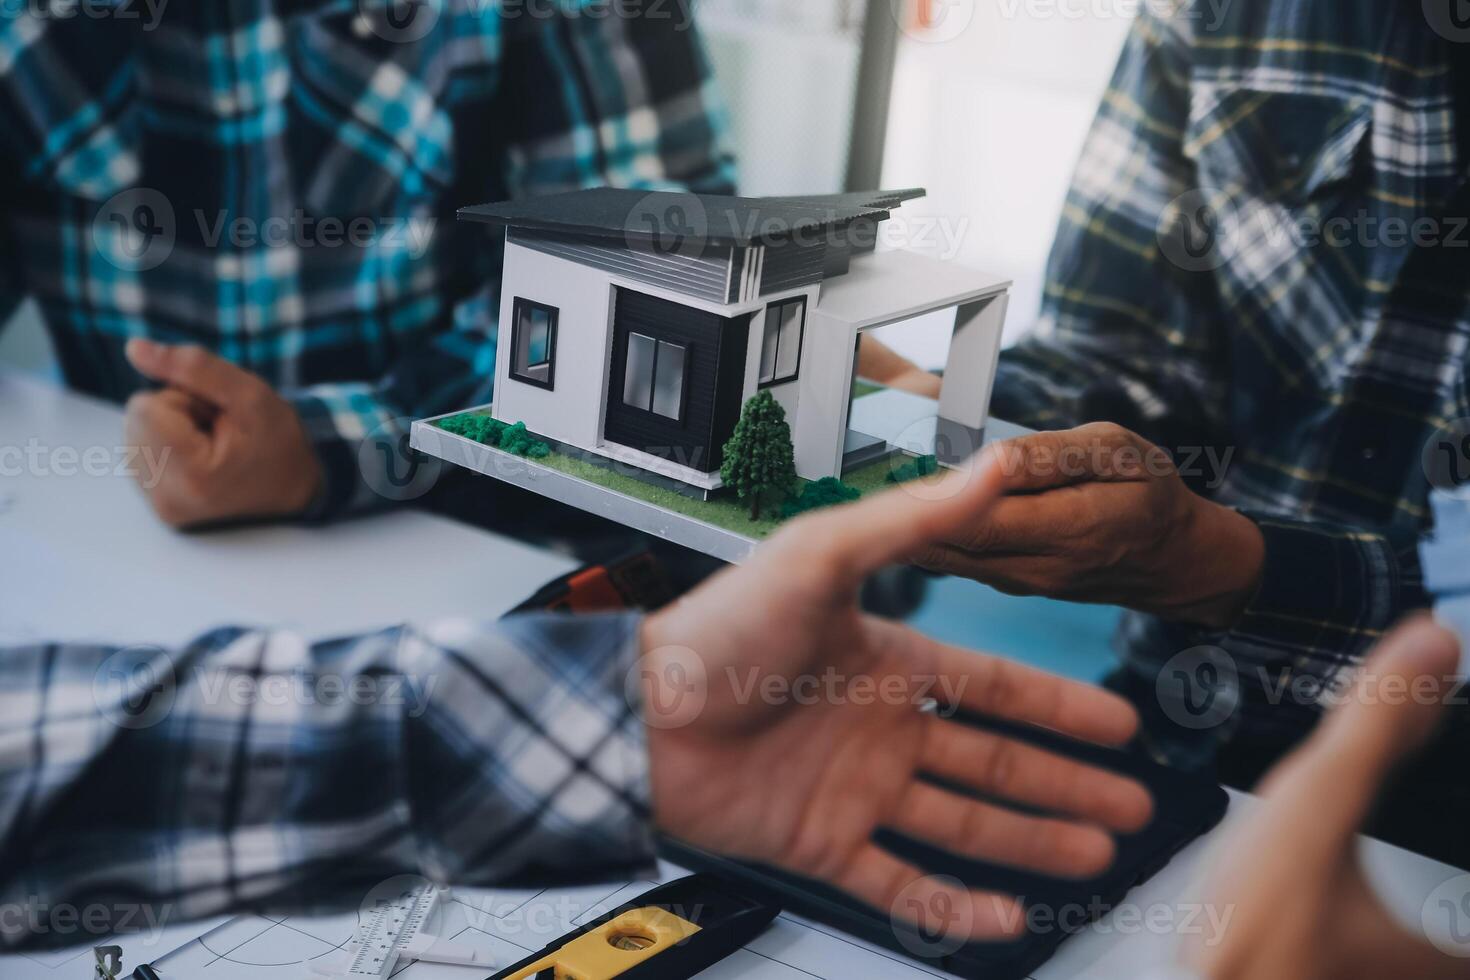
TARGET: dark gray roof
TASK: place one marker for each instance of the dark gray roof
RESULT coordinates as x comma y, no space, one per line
661,216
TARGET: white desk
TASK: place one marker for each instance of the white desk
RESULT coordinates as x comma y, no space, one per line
84,557
81,556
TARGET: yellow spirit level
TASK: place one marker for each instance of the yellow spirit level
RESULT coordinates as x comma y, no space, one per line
669,933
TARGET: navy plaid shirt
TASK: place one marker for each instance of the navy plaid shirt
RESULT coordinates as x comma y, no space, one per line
1302,328
277,180
252,768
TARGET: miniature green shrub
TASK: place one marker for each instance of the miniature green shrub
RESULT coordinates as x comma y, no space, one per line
826,492
517,441
914,469
759,458
480,428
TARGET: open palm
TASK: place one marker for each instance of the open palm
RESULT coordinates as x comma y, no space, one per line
787,726
1305,879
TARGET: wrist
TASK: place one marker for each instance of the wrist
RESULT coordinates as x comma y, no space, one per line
682,750
1227,559
308,477
659,728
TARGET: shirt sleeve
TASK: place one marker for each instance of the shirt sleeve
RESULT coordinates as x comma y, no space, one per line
1131,332
1125,333
250,766
586,100
1329,589
12,283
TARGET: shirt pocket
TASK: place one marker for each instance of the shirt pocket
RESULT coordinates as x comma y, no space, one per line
1292,169
1290,149
370,135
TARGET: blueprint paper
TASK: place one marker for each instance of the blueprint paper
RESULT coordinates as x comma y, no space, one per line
509,924
78,962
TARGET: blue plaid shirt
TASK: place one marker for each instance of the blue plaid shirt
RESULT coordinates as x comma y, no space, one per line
251,767
277,180
1326,355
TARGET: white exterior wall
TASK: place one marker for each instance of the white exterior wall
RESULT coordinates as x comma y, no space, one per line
974,356
572,412
789,395
819,431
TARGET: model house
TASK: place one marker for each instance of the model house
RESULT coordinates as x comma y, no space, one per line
635,325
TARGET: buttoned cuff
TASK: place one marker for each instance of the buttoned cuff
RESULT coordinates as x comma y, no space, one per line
1327,587
362,450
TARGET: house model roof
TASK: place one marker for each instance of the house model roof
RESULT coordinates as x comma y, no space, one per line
633,216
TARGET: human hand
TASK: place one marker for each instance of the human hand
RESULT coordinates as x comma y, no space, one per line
234,447
764,746
885,366
1303,907
1098,514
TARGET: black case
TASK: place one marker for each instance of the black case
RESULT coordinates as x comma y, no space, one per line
1186,806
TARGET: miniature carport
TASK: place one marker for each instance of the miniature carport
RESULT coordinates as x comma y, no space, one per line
883,288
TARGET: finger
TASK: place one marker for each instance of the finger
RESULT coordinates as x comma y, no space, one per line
983,831
1004,767
202,413
879,530
931,903
1098,451
1016,573
1327,787
195,370
1004,689
160,425
163,420
1044,523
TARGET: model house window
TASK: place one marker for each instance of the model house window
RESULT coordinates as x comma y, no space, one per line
781,350
653,379
534,343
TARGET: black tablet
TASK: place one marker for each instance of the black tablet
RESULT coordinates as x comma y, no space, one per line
1186,806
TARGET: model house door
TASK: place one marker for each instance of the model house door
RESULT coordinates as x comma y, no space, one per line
676,379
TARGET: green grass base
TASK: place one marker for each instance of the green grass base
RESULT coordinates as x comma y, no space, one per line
724,509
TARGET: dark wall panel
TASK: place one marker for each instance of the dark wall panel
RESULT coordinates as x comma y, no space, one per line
714,379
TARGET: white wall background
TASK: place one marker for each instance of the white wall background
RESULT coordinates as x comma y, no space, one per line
788,71
989,113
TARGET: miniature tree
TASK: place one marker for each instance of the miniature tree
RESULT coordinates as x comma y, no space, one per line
759,458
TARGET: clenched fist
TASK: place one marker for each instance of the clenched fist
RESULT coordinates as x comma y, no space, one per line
234,448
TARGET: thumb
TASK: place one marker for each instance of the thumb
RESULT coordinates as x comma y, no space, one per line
894,525
1389,712
195,370
162,421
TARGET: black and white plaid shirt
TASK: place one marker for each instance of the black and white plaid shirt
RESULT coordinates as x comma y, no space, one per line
251,767
1265,252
